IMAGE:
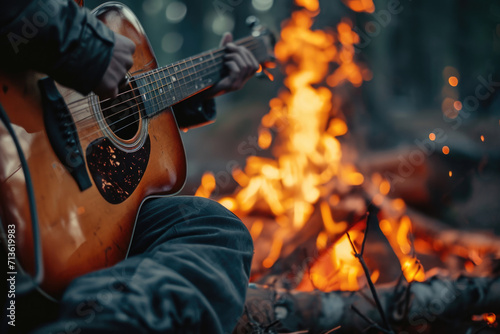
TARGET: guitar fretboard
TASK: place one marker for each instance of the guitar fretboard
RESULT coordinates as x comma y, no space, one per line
171,84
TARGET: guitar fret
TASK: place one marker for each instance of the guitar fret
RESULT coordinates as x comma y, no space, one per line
187,79
174,84
213,63
157,85
151,90
164,89
161,91
191,76
200,69
181,80
142,87
171,84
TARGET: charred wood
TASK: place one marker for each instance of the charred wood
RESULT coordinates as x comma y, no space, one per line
440,304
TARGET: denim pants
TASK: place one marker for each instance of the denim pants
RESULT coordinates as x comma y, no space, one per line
187,272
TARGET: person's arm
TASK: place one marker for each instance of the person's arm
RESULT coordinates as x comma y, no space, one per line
240,66
64,41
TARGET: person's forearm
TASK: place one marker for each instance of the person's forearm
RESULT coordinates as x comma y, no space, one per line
58,38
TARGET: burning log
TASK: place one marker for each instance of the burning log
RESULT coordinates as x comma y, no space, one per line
443,239
423,180
439,303
298,247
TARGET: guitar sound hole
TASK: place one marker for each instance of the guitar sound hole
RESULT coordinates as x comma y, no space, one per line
122,114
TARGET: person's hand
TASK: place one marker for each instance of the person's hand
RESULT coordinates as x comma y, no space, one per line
121,62
241,65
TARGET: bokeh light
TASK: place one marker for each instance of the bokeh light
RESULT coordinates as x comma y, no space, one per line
152,7
262,5
172,42
176,11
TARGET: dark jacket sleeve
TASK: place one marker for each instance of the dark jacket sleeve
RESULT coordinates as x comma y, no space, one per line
193,112
55,37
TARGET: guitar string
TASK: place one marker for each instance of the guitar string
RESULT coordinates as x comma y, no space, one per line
135,90
138,109
157,87
242,42
114,123
156,97
96,122
156,71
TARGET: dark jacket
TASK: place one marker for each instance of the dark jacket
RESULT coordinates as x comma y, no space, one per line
72,46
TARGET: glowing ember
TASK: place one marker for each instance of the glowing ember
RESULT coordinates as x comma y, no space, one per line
360,5
490,318
412,269
446,150
482,138
453,81
432,136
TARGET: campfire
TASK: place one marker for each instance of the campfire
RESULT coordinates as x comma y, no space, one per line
335,251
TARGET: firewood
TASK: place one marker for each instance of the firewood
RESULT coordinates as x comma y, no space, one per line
449,240
300,246
440,304
421,178
408,181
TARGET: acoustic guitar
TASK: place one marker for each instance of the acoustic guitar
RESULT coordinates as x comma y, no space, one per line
93,162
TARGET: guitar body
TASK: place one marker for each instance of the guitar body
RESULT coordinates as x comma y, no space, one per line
84,230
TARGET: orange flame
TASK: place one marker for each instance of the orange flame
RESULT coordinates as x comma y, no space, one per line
312,5
336,269
402,245
302,129
307,125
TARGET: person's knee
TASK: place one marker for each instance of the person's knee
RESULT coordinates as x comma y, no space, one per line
229,224
205,215
192,207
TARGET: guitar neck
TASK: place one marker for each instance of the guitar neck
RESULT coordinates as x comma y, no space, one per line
171,84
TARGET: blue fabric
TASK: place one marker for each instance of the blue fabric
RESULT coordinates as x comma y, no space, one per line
187,272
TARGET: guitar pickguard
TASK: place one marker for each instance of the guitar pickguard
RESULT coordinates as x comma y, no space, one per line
116,174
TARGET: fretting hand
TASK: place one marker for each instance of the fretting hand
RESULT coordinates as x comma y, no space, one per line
241,65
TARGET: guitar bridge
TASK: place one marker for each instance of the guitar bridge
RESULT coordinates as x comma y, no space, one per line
62,133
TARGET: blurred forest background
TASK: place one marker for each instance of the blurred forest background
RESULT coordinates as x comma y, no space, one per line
413,49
